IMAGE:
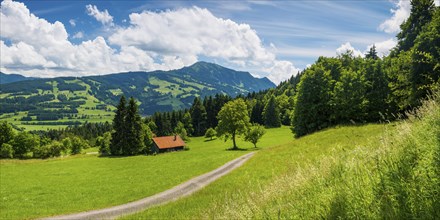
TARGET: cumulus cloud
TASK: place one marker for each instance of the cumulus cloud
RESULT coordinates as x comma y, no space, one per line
400,14
102,16
281,71
347,47
78,35
383,48
192,31
152,40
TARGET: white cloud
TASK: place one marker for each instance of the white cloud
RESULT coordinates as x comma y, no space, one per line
192,32
383,48
152,40
102,16
347,47
78,35
400,14
281,71
72,22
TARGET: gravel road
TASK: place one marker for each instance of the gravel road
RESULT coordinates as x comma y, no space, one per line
179,191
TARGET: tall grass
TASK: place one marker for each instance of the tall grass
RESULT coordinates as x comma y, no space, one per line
343,173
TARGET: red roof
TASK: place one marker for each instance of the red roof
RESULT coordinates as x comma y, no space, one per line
168,142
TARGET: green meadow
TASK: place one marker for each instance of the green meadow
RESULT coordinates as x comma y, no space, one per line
382,171
38,188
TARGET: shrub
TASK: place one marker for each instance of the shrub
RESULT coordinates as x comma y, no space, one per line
6,151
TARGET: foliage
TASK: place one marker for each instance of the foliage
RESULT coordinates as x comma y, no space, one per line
271,114
349,97
254,134
199,117
24,143
133,133
6,151
77,145
233,120
6,132
118,140
54,149
312,110
210,133
103,143
181,131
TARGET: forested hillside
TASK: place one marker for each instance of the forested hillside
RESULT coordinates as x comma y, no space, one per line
41,103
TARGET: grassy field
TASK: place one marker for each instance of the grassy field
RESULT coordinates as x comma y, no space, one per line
38,188
368,172
86,112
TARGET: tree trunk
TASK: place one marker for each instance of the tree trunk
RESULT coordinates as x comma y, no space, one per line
233,140
255,145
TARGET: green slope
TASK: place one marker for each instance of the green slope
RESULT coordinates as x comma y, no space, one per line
364,172
51,103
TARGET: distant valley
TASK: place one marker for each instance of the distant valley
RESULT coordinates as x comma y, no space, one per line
36,103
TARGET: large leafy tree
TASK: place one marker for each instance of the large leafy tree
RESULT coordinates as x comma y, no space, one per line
349,97
271,114
198,116
233,120
312,105
119,135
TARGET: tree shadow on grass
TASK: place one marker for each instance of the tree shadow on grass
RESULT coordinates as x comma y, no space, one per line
209,140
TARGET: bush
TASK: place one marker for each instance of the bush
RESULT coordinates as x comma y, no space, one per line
77,145
6,151
210,133
53,149
25,143
104,143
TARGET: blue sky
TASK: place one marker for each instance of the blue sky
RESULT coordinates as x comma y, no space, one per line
274,39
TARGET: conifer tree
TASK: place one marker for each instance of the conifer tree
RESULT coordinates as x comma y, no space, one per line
135,143
118,136
198,116
271,114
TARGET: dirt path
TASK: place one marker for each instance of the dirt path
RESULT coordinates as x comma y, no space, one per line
179,191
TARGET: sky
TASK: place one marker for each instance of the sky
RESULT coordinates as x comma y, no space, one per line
274,39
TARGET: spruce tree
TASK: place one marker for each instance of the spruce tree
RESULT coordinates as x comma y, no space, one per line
135,143
198,116
118,136
257,112
271,114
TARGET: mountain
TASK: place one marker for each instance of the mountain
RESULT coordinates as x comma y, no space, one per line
155,91
9,78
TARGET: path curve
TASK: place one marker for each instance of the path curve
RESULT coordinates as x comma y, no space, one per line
177,192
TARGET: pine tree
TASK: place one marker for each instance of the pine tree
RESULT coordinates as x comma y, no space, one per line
372,53
271,114
257,112
135,143
198,116
421,14
118,136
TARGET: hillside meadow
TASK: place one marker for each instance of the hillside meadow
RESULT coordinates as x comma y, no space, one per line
385,171
38,188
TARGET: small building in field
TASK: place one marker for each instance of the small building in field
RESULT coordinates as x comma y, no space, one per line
167,144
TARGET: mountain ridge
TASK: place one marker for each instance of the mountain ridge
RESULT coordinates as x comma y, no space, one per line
155,90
